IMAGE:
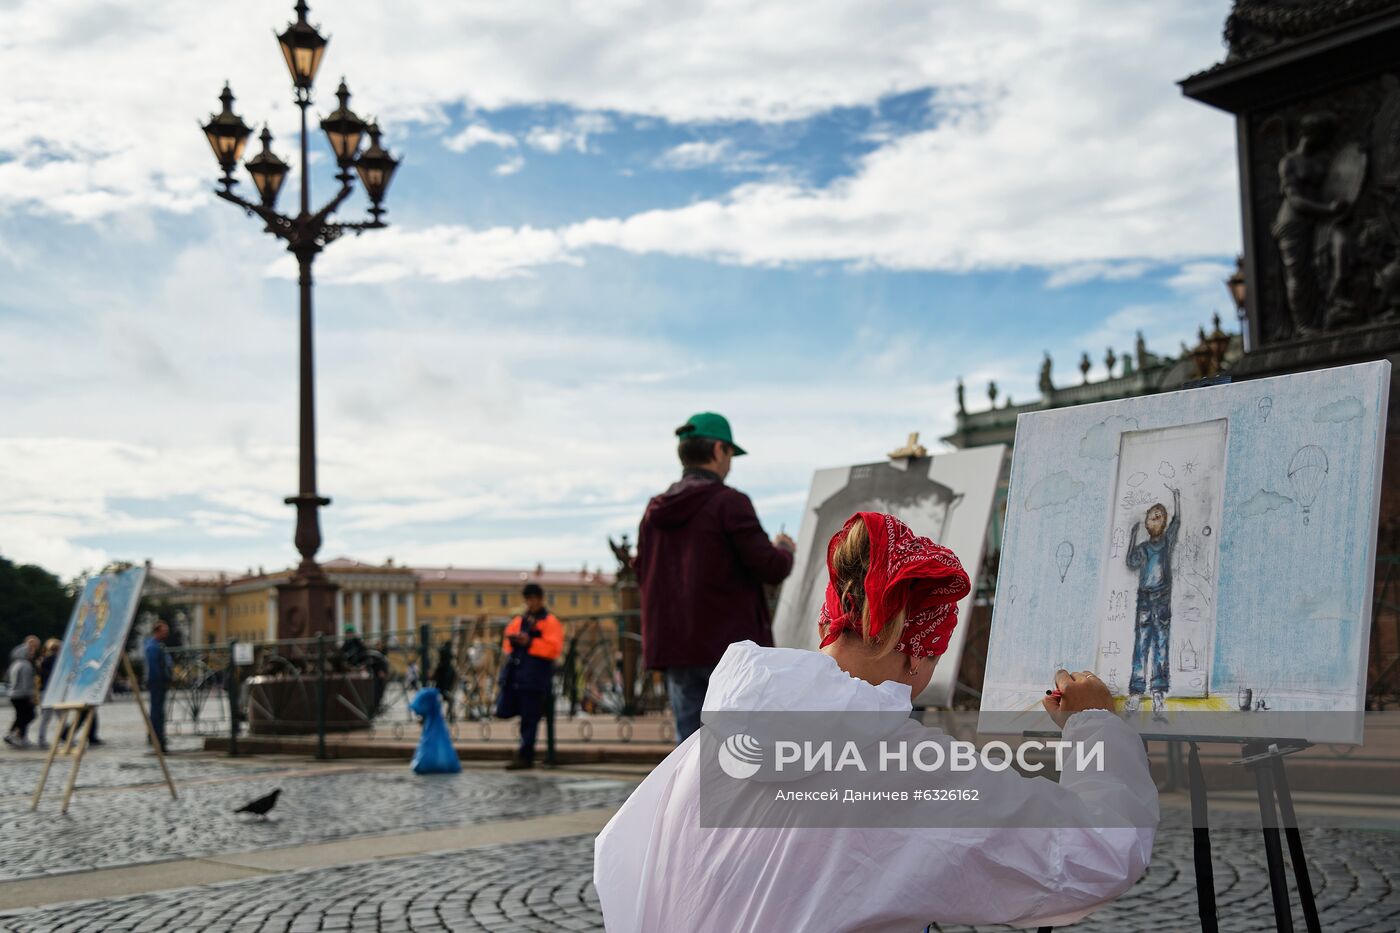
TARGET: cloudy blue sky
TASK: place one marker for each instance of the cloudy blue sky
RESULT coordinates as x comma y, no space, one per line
812,216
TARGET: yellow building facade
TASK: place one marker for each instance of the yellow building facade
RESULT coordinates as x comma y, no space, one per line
379,601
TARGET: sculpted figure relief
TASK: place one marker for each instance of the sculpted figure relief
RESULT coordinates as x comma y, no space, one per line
1319,186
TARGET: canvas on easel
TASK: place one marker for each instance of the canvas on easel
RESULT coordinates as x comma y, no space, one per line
1209,553
94,644
947,497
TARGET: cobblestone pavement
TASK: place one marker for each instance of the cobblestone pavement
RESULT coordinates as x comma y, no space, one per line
545,886
123,767
122,814
528,886
134,826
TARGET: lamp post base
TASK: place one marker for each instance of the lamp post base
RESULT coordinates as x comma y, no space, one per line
306,607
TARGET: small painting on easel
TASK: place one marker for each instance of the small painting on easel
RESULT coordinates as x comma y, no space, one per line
95,639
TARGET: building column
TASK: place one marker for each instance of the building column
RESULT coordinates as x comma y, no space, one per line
374,614
409,617
390,615
272,616
358,613
340,614
197,626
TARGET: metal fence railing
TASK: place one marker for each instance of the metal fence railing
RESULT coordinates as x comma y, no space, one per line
325,685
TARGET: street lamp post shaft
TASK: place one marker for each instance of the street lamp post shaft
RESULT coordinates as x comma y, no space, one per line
307,486
307,501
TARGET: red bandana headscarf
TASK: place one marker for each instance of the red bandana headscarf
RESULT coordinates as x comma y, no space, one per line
906,572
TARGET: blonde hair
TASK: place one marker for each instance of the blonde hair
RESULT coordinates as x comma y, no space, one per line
850,562
52,646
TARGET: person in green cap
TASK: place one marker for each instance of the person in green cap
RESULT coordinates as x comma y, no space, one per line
702,562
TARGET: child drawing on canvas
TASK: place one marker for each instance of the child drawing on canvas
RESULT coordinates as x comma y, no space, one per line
1152,559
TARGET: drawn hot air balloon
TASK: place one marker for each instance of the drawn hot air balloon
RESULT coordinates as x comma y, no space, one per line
1266,405
1064,556
1306,473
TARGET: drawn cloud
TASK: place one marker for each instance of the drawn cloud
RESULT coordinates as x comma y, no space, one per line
1347,409
1323,606
1055,489
1263,501
1101,441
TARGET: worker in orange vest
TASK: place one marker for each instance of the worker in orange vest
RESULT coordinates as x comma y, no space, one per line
533,640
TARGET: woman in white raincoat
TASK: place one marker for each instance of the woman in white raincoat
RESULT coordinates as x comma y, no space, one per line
890,607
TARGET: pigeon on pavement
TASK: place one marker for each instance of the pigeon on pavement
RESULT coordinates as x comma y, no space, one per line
262,805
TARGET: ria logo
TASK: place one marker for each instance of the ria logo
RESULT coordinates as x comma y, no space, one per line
740,756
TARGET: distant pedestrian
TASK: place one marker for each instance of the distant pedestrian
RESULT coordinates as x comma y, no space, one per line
702,562
22,691
378,666
353,649
445,678
532,641
46,668
158,674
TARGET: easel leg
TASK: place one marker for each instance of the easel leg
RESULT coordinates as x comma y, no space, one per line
150,729
70,737
48,761
1200,832
1295,848
85,724
1273,850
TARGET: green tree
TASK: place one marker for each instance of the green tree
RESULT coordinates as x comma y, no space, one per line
32,602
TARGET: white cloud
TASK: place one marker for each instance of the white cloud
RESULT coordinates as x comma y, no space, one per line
442,254
573,134
479,134
696,154
1079,273
510,166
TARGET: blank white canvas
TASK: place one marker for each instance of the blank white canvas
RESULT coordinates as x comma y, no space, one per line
961,524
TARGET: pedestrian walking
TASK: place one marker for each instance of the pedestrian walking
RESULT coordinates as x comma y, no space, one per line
46,668
158,675
445,678
702,562
533,640
22,678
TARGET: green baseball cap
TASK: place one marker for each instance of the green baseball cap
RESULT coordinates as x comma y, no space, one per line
709,424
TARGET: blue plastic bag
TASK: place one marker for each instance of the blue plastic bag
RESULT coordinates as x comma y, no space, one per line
435,754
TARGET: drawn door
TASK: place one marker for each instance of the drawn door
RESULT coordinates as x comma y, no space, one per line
1157,593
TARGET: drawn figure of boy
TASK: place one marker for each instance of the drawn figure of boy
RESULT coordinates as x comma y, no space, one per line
1152,559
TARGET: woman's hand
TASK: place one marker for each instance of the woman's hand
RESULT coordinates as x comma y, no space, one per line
1077,692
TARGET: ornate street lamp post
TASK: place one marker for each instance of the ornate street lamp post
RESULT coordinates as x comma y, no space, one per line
306,603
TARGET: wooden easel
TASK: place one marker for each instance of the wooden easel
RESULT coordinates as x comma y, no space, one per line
75,718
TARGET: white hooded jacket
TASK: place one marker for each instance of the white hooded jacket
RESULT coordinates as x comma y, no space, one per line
656,868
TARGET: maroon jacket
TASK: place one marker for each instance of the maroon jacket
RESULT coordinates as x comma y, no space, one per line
702,561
